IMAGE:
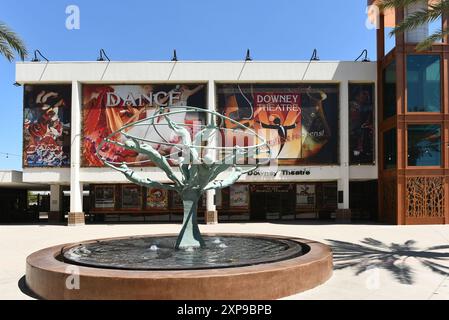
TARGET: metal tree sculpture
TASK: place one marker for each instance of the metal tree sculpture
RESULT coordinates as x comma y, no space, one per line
198,168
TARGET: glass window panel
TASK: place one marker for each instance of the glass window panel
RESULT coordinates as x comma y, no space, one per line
131,197
424,145
390,149
389,92
390,40
423,83
435,26
104,197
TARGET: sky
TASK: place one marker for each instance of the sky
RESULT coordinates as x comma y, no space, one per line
198,29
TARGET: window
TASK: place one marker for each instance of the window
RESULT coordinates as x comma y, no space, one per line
390,149
423,83
424,145
131,197
389,91
104,197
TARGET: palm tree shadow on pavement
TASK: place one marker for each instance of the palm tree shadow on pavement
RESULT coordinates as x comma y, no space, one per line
395,258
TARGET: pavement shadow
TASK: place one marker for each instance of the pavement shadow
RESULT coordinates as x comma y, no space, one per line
25,290
395,258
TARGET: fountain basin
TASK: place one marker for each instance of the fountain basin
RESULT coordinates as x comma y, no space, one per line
296,266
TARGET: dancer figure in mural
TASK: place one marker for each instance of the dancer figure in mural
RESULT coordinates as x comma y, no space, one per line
316,130
281,129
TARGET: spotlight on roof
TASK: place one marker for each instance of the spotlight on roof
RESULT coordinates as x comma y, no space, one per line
364,54
36,59
102,56
248,56
16,84
315,56
175,56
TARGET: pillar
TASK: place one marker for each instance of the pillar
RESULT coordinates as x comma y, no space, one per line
211,210
76,214
55,214
344,212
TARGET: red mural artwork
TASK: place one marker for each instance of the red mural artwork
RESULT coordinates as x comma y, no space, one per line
106,109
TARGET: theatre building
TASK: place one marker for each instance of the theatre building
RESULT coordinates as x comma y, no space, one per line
360,140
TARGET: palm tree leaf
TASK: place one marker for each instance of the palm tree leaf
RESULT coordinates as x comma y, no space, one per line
388,4
416,19
5,50
427,43
13,40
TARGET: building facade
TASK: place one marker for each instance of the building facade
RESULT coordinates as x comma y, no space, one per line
413,97
360,140
321,117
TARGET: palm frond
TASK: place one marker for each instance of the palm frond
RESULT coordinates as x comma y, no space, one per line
389,4
5,50
416,19
13,41
427,43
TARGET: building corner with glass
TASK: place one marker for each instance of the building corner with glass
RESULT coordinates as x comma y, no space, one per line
413,127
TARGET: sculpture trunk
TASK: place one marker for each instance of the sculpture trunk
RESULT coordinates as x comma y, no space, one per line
190,236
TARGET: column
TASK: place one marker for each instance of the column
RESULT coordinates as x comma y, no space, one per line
76,214
344,212
55,214
211,210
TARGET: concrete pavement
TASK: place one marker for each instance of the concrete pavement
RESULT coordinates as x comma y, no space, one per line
371,261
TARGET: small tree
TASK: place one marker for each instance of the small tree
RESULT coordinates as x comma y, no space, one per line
199,172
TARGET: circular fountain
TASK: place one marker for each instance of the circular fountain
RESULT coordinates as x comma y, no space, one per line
143,268
188,266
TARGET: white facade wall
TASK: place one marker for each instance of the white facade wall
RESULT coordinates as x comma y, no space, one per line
209,73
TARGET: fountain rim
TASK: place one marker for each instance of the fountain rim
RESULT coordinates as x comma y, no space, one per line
47,258
290,253
46,277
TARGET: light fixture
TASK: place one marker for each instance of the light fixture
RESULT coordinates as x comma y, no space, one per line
36,59
248,56
364,54
16,84
102,56
175,56
315,56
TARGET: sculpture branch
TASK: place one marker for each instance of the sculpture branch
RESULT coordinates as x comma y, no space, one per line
154,156
186,140
137,179
230,180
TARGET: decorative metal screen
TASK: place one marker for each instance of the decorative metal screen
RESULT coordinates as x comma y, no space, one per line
425,197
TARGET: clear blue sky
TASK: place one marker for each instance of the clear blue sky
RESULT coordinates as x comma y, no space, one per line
198,29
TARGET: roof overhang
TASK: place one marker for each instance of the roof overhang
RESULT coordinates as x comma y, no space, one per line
11,179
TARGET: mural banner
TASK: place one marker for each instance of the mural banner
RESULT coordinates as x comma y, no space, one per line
107,108
361,123
299,121
46,128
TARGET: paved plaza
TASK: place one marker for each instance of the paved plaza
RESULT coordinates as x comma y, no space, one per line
371,261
